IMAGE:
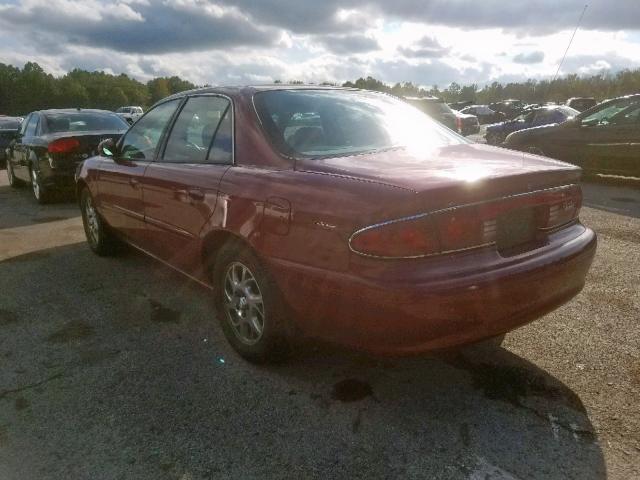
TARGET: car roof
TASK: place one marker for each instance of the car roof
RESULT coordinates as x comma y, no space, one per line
251,89
72,110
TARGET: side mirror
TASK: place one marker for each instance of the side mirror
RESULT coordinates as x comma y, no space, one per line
107,147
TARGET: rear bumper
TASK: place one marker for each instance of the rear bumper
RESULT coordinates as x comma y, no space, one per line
411,307
470,129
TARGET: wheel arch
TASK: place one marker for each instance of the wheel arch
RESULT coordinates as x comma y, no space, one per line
213,242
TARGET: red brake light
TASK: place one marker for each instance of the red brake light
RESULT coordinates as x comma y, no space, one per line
63,145
562,208
405,238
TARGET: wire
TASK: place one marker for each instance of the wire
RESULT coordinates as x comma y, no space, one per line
568,47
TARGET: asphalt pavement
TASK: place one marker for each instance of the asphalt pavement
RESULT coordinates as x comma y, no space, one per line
115,368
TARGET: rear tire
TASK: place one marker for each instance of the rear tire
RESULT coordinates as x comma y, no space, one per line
101,241
41,195
494,138
249,306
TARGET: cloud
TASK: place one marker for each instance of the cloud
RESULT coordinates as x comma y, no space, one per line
528,58
342,44
426,47
137,27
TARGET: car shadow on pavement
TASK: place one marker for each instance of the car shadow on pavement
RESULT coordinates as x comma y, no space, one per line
120,364
20,208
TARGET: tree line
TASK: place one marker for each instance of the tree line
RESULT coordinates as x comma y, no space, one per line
600,86
31,88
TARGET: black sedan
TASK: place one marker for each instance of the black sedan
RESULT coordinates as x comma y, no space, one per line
51,143
9,126
603,139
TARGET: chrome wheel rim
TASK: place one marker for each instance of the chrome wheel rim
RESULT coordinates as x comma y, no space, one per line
35,184
243,303
93,227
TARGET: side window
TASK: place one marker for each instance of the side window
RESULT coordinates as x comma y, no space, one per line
142,139
222,147
192,134
628,116
604,115
30,130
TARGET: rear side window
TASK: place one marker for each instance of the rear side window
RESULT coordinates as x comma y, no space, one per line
30,129
141,141
192,137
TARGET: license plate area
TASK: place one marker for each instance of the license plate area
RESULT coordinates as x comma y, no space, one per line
516,231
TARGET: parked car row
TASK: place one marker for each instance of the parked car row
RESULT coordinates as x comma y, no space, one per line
332,213
534,117
459,122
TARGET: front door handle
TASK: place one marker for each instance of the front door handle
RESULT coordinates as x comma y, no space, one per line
134,182
196,194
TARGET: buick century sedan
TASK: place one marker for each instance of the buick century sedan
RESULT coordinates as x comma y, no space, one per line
339,214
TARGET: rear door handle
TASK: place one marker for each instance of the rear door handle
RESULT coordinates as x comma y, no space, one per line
196,194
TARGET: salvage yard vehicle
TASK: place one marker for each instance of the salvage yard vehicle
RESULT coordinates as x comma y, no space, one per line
339,214
464,124
51,143
604,139
130,114
497,132
581,103
9,126
484,114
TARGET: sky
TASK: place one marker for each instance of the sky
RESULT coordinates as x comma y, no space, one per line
218,42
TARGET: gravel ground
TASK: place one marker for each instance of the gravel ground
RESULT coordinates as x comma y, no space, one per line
113,368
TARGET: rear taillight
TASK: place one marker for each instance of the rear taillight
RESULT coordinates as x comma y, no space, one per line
468,226
63,145
563,207
459,124
412,237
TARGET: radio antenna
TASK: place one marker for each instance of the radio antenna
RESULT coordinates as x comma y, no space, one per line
568,47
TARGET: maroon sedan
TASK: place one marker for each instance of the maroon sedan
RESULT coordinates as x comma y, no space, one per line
339,214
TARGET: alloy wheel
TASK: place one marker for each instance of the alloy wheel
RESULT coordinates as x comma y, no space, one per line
243,303
93,226
35,185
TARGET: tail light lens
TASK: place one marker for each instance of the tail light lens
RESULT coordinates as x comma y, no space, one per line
63,145
466,227
405,238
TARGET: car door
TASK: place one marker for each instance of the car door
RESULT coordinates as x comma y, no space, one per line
119,177
609,146
21,148
620,154
180,188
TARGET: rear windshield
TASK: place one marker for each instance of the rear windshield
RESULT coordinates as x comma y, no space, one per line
82,122
9,123
329,123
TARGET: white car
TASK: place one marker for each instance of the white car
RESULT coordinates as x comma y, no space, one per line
130,114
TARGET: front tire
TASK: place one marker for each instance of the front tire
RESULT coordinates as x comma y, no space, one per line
100,239
248,305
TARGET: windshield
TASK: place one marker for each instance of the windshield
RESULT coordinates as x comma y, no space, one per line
328,123
83,122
